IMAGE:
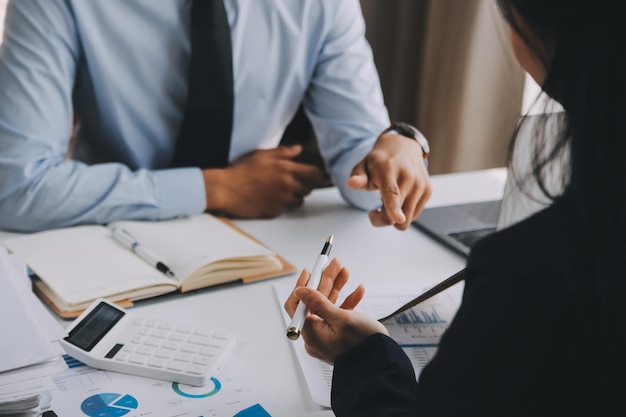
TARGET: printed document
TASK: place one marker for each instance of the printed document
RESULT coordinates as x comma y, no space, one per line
416,330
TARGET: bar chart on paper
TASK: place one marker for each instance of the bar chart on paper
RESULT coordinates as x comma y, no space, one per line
418,329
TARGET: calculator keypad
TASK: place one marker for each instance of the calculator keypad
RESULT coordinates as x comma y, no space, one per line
171,347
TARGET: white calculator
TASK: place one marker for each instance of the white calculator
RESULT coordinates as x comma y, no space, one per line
108,337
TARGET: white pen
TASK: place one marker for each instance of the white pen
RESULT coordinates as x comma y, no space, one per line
293,331
123,237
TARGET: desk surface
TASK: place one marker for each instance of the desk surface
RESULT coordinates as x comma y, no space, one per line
371,254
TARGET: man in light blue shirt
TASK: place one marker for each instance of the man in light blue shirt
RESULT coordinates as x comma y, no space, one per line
121,68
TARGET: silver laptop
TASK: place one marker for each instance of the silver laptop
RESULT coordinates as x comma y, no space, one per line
460,226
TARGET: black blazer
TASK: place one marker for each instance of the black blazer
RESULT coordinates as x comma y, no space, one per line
512,348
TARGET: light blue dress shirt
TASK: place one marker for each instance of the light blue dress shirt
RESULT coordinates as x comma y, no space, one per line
121,66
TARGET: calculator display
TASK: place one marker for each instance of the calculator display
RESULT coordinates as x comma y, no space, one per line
94,326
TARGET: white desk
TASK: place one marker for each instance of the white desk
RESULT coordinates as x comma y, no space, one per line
371,254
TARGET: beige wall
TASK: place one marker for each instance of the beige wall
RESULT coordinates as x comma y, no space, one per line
446,66
395,29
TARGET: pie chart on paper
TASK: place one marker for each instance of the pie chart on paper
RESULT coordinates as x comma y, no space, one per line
108,405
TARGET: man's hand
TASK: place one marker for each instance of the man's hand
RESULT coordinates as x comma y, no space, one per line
395,166
262,184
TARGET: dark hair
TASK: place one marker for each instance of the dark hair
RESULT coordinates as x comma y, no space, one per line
581,43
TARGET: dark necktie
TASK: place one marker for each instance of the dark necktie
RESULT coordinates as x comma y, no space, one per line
204,138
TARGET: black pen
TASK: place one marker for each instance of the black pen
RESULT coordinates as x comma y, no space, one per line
294,328
443,285
123,237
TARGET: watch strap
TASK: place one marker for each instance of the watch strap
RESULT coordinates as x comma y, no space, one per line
411,132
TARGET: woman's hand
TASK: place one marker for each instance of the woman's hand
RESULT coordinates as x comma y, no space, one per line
329,330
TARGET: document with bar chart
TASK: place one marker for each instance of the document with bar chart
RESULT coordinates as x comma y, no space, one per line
417,329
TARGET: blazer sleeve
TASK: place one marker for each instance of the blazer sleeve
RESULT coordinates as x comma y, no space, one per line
374,379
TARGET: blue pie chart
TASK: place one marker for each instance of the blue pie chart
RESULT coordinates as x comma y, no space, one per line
108,405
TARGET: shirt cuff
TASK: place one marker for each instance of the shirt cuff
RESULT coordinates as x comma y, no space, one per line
180,192
361,199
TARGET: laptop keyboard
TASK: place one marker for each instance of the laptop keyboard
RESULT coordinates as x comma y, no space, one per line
470,237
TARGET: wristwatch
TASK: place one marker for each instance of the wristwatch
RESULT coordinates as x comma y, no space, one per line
410,131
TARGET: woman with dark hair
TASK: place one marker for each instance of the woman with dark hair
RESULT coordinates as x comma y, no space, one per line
551,285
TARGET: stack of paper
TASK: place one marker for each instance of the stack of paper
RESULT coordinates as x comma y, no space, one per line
30,353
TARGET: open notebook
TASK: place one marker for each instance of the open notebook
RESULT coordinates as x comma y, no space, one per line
460,226
76,265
